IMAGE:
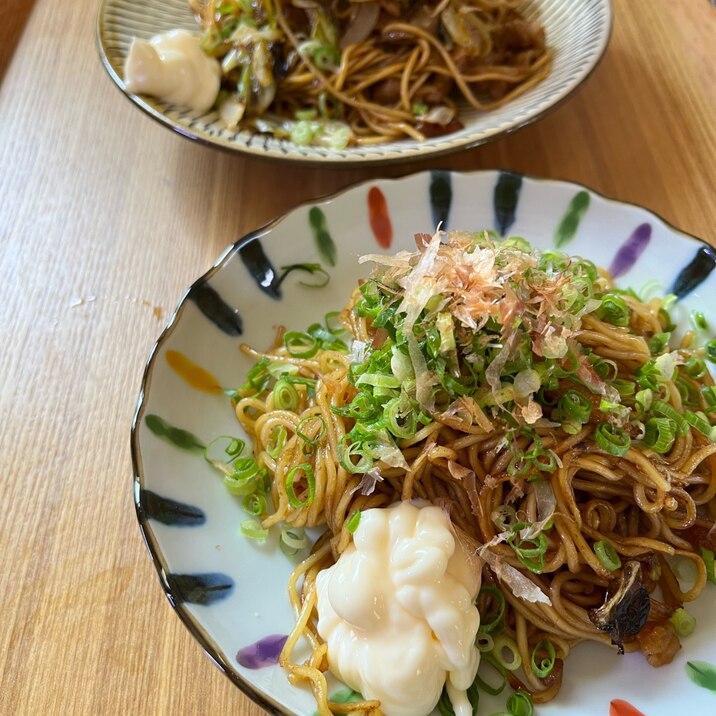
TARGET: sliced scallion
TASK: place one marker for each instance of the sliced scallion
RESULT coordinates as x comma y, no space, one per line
707,556
253,529
607,555
243,479
254,504
614,310
575,407
506,645
285,396
307,471
659,434
277,441
684,622
542,665
709,394
353,521
300,344
661,407
491,603
612,439
292,540
698,422
520,704
710,350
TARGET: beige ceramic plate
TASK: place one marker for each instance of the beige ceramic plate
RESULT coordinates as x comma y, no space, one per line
578,31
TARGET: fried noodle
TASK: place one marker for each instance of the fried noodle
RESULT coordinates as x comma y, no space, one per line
338,72
652,507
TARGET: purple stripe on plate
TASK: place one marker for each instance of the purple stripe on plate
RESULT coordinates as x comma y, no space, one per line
264,652
630,251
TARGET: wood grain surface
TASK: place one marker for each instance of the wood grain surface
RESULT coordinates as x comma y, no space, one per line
105,218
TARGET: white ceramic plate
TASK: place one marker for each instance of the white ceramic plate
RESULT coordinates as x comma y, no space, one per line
230,593
578,32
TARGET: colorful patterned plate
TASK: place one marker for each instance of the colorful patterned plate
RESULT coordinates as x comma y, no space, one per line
578,32
230,593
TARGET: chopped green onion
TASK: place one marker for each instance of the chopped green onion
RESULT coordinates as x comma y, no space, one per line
400,417
309,442
244,478
612,439
282,370
303,132
292,540
699,321
695,367
688,391
542,667
484,642
232,449
353,521
303,114
253,529
709,393
504,643
529,550
684,622
276,444
300,344
520,704
708,557
308,268
333,324
668,411
624,387
285,396
648,375
491,621
607,555
328,106
254,504
710,350
419,108
325,56
504,517
363,407
644,399
575,407
658,342
378,380
338,137
659,434
614,310
698,422
363,465
290,486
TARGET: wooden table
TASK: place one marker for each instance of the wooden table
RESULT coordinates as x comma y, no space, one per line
105,217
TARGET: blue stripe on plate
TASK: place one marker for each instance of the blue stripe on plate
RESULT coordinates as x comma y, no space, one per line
199,588
505,199
261,269
210,303
695,272
169,512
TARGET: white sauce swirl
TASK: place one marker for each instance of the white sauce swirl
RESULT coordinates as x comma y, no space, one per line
398,612
173,67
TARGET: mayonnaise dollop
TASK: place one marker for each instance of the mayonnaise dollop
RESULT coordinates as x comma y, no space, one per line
398,612
173,67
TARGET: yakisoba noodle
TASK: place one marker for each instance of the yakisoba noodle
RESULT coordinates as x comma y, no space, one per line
564,408
335,72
